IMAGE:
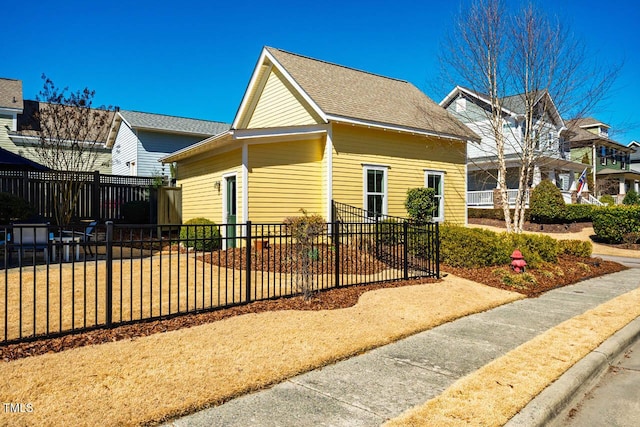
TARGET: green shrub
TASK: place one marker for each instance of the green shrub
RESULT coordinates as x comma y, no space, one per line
576,248
13,208
135,212
608,199
631,198
201,234
472,247
546,204
632,238
390,232
487,213
536,248
420,204
577,213
611,223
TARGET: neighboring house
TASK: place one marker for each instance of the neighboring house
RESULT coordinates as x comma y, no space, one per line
609,160
551,157
308,132
19,126
138,140
634,159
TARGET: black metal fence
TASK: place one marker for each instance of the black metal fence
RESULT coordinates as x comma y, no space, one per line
100,196
117,274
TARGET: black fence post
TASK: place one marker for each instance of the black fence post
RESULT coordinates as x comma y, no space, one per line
95,197
248,249
109,274
336,253
25,186
437,257
405,234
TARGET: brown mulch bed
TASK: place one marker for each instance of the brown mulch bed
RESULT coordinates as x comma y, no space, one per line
530,226
568,270
282,259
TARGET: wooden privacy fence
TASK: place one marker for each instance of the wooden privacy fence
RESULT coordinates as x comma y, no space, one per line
100,196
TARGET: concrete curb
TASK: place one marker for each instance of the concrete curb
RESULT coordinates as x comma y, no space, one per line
577,381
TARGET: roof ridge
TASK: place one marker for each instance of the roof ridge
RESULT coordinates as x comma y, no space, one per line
338,65
172,115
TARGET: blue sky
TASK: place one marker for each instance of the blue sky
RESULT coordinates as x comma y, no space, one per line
194,58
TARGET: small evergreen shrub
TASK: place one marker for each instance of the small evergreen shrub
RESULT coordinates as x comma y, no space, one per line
631,198
420,204
576,248
611,223
13,208
135,212
577,213
546,204
201,234
608,199
472,247
390,232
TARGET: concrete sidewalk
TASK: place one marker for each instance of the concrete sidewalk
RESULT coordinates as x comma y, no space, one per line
371,388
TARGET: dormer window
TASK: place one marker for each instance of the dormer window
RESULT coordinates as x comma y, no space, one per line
604,132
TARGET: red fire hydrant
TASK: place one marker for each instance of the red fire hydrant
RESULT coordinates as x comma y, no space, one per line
518,263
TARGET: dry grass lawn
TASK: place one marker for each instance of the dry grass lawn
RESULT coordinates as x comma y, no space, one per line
496,392
153,378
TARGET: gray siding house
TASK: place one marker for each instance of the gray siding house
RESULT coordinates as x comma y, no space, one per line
552,155
138,140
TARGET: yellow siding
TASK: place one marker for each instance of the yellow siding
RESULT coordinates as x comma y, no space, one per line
407,157
197,177
281,105
284,177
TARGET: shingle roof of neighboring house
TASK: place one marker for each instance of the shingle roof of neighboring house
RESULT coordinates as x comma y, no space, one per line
516,103
11,94
349,93
578,136
161,122
588,122
29,124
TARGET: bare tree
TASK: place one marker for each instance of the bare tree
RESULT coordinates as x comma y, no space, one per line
526,59
71,135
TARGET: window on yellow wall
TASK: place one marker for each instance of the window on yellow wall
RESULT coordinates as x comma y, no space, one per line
435,180
375,190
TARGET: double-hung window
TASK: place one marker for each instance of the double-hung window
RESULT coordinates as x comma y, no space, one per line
435,180
375,190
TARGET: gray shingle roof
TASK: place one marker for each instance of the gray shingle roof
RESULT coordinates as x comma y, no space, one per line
174,124
350,93
11,93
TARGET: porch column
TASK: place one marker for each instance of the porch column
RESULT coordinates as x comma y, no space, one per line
537,176
552,176
573,185
636,186
622,187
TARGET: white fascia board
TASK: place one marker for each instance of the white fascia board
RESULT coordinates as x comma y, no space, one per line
487,101
113,129
295,84
8,110
293,132
395,128
249,90
447,99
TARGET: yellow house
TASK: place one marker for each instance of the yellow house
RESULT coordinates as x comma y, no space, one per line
308,132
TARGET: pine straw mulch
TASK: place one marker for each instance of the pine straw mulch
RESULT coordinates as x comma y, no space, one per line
530,226
327,300
568,270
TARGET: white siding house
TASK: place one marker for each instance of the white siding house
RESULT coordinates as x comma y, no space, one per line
138,140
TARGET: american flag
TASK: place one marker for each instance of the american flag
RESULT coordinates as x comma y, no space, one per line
582,181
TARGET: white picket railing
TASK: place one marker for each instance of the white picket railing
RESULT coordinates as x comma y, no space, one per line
485,198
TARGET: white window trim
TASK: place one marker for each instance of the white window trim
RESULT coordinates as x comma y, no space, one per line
442,174
385,182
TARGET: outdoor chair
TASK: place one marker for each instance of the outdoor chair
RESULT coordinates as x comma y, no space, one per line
84,237
30,237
